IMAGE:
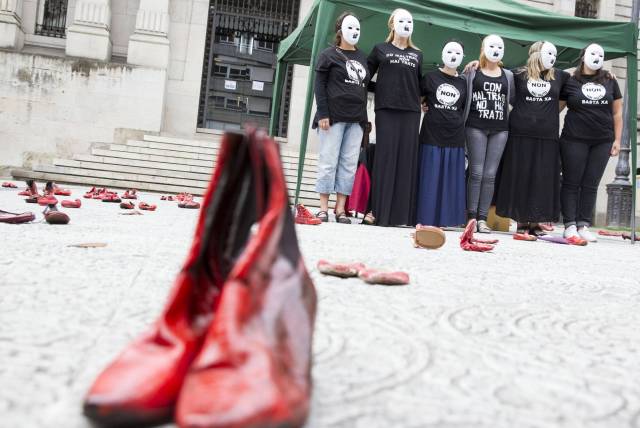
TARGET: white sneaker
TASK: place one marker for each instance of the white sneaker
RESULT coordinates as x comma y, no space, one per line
586,234
571,231
483,227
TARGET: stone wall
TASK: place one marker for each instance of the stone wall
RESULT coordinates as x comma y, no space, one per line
52,107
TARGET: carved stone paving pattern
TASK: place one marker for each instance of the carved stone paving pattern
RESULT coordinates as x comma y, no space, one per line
535,335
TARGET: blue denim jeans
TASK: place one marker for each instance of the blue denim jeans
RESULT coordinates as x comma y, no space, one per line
338,158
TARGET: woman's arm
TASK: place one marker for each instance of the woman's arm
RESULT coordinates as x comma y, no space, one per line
322,100
373,63
617,126
563,105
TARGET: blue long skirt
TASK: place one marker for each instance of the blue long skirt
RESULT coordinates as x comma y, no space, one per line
441,186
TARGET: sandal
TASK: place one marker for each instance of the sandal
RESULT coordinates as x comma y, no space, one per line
369,219
323,216
428,237
342,218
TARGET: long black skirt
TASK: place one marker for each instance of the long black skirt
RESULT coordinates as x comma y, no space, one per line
529,188
395,170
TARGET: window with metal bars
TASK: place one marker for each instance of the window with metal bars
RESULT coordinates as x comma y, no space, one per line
586,9
52,18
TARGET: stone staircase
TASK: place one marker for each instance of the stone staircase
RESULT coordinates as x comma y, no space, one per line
160,164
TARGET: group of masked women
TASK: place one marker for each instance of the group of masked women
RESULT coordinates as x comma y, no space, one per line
443,173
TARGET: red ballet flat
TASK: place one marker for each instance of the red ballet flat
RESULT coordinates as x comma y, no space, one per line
130,194
47,200
341,270
111,198
71,204
9,185
375,276
127,205
146,207
15,218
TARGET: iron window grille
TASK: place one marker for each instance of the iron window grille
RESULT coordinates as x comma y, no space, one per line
53,21
586,9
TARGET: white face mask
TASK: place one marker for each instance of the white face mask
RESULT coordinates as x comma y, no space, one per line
493,48
594,57
452,55
350,30
403,23
548,55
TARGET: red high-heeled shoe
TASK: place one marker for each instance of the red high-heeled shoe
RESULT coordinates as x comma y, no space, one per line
141,386
254,367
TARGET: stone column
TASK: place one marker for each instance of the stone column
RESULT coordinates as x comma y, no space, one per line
89,35
149,44
11,34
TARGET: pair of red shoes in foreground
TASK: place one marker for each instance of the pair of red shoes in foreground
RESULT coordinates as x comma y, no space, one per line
185,200
104,194
368,275
232,348
142,205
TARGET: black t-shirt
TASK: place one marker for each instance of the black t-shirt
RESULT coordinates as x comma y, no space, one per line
590,115
399,74
341,86
536,112
443,123
489,103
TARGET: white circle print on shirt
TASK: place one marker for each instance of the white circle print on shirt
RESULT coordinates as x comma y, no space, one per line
356,71
538,88
447,94
594,91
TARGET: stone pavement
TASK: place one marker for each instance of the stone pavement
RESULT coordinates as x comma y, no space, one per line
533,335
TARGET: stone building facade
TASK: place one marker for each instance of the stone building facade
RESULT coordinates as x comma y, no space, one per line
77,72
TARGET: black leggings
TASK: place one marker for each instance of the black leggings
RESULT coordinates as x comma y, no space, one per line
583,164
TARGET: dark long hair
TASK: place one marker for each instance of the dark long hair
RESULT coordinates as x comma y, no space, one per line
341,18
601,75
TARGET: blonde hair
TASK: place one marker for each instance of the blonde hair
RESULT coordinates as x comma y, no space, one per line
392,32
483,58
534,68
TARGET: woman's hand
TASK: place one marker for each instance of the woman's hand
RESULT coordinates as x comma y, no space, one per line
615,149
473,65
425,107
324,124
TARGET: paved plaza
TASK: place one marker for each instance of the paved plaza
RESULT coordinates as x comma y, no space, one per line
534,335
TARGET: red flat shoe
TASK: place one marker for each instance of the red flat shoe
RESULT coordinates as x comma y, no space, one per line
304,216
576,240
130,194
111,198
428,237
47,200
374,276
163,198
525,237
146,207
53,216
101,193
469,243
89,194
189,204
14,218
127,205
61,192
141,386
31,190
9,185
254,368
71,204
341,270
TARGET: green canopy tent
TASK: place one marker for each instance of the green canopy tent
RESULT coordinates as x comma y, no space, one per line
436,21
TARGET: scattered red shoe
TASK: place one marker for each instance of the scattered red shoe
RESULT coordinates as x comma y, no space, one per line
71,204
47,200
31,190
59,191
576,240
111,197
374,276
525,237
341,270
188,202
147,207
127,205
13,218
9,185
469,243
89,194
304,216
130,194
56,217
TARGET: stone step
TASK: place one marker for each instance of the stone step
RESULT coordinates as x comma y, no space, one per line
307,198
98,163
289,167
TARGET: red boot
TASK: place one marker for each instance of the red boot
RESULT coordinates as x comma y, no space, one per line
141,386
254,366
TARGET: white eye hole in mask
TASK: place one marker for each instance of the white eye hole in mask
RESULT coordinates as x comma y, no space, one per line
350,30
452,54
493,48
403,23
548,55
594,57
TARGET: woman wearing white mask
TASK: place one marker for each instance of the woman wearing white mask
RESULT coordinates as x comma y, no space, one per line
398,64
529,189
441,182
490,90
591,134
341,98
